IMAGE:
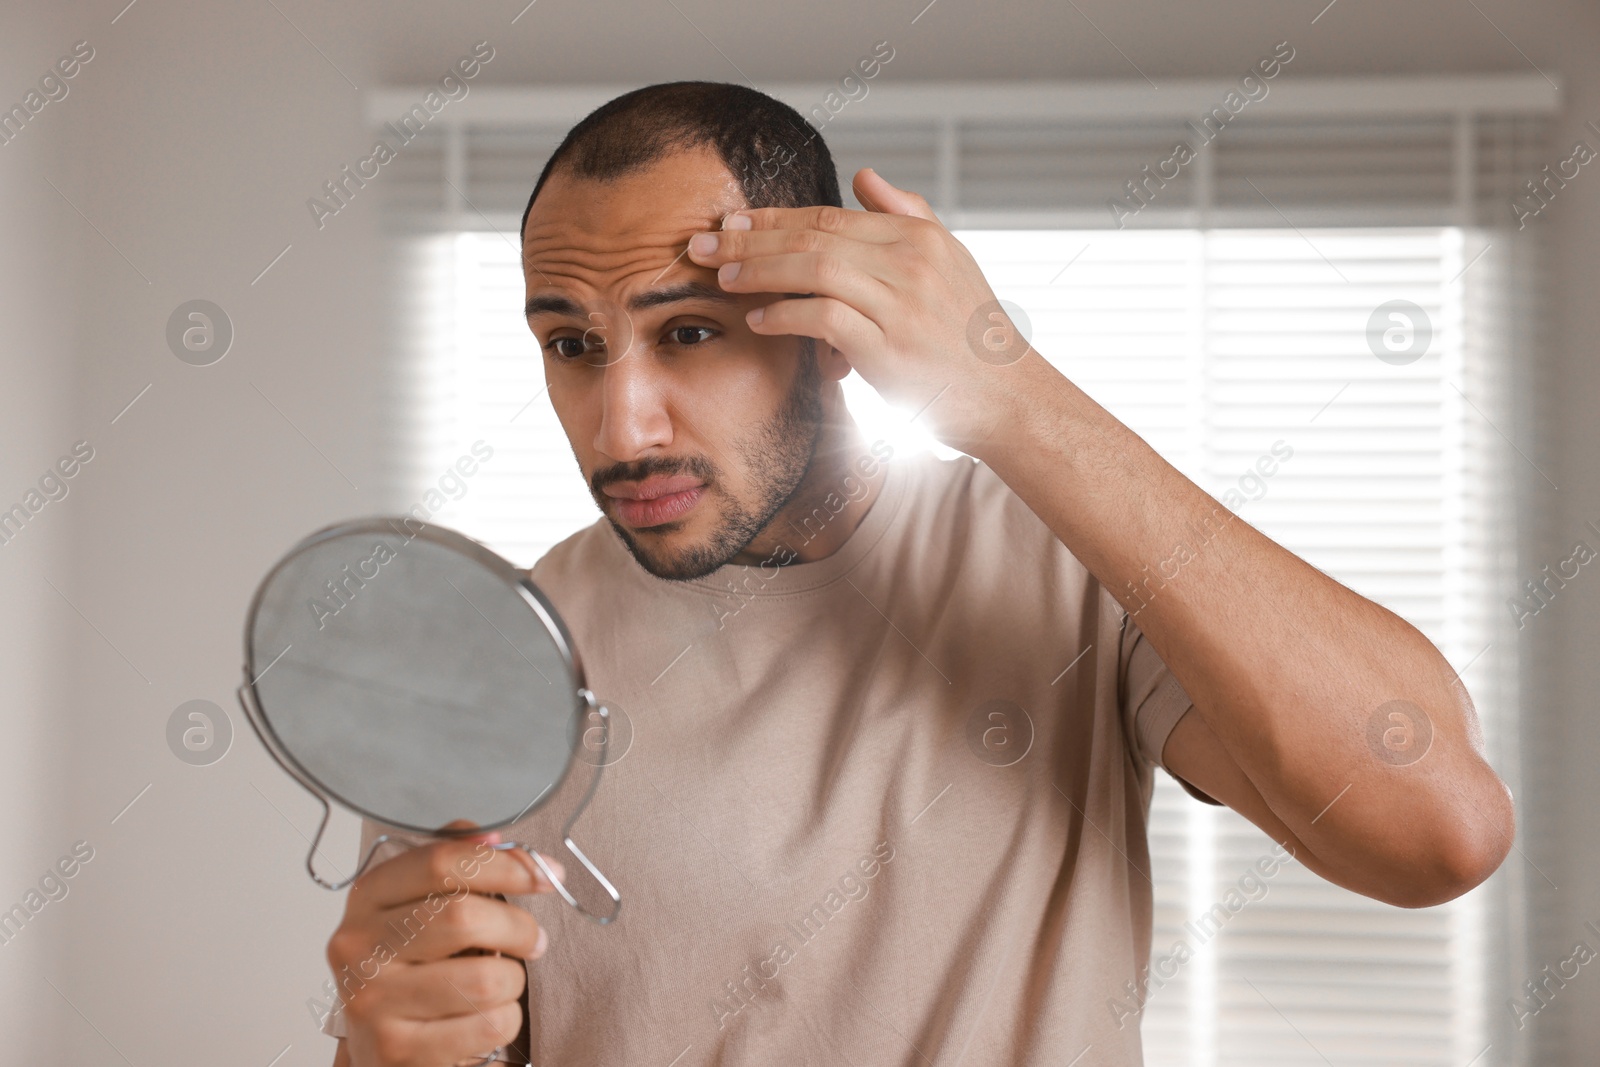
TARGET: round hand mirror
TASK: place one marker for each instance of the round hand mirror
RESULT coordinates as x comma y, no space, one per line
414,677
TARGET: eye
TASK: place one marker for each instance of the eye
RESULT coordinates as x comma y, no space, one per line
554,347
677,335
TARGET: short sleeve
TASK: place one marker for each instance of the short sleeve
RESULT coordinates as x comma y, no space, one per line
1152,700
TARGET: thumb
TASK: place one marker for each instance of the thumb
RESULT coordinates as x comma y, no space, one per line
876,194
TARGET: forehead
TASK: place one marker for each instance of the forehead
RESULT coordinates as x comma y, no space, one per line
602,234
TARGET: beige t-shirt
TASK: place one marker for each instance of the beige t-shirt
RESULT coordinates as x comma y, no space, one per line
887,807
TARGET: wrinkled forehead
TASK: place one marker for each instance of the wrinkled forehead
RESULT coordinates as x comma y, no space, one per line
622,232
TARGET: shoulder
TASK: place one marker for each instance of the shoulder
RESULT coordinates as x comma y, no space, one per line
964,496
962,520
577,558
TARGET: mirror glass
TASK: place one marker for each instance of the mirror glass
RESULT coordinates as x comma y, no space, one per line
413,677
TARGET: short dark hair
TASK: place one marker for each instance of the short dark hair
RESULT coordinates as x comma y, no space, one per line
750,131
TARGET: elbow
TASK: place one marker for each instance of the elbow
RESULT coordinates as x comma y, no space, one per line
1458,851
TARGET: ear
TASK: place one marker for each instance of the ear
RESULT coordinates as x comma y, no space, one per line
876,194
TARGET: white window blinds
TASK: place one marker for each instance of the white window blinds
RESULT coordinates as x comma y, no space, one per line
1312,152
1231,325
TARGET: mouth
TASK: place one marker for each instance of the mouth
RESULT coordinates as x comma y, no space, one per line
654,501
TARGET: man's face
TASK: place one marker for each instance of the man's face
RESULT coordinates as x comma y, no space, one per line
691,430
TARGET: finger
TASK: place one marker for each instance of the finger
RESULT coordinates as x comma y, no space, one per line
447,868
716,247
821,273
846,222
828,320
878,195
443,989
420,933
462,1038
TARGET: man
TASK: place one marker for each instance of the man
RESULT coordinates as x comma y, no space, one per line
894,720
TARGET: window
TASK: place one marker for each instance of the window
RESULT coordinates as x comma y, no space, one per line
1220,348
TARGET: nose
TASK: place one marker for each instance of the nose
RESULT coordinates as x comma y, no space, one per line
635,415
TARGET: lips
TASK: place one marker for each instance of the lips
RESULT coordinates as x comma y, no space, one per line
653,501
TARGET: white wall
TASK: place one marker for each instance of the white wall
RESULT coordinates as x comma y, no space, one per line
37,424
191,143
1561,833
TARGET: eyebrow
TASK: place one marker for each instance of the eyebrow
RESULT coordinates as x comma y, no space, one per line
553,304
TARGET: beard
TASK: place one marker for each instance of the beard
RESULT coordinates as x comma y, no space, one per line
778,456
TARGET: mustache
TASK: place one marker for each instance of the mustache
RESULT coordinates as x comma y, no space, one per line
698,466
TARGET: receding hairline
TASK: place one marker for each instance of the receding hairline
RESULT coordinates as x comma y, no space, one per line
566,171
742,126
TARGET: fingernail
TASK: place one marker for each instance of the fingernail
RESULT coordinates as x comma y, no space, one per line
543,943
728,271
736,222
755,316
703,244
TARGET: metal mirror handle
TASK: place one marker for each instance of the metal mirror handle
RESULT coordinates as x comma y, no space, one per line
566,831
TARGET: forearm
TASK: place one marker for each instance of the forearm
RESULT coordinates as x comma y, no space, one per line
1288,668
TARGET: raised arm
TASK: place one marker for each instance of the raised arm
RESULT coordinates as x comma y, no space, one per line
1327,720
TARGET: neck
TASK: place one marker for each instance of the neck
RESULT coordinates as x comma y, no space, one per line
829,503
